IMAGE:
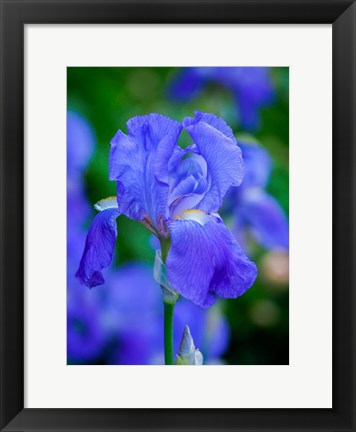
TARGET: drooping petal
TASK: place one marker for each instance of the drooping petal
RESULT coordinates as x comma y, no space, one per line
205,260
258,165
99,247
215,142
267,221
139,164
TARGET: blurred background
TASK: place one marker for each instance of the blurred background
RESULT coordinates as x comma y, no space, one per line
121,322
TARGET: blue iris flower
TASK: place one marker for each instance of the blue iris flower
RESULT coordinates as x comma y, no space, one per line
251,87
102,325
176,194
255,210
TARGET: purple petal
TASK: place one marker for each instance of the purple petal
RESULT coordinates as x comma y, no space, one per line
186,85
215,142
212,120
139,164
205,261
85,336
258,165
266,219
209,328
80,143
99,248
253,90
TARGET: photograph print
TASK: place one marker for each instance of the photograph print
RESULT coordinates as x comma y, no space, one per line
177,216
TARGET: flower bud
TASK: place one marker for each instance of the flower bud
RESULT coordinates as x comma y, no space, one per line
188,355
160,276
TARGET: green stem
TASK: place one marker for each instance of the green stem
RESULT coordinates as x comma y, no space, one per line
168,333
165,244
168,314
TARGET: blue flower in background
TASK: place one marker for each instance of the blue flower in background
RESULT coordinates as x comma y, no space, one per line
175,193
86,336
255,210
80,143
122,323
133,293
209,327
80,147
133,314
251,87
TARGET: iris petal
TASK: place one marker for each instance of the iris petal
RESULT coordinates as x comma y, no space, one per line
253,89
212,120
99,248
215,142
258,165
205,260
139,164
266,219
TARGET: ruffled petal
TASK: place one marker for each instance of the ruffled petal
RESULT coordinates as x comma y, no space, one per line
212,120
139,164
99,248
266,219
205,260
215,142
187,181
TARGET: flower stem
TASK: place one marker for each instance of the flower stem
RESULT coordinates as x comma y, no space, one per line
168,313
168,333
165,245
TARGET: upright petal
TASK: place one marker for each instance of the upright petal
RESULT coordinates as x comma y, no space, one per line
205,260
260,212
99,247
212,120
215,142
139,164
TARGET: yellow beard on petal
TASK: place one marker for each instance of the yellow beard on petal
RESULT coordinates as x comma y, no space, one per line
195,215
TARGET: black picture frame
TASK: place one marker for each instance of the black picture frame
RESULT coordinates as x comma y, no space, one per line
14,15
